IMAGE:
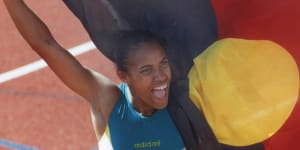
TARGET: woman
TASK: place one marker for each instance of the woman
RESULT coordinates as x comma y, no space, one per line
135,111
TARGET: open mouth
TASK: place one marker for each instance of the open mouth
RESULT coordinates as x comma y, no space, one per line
160,92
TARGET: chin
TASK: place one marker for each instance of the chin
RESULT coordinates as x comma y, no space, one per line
162,106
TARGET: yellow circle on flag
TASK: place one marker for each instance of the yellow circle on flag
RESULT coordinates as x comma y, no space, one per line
245,88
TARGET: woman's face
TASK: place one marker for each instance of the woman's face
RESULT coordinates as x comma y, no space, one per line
148,77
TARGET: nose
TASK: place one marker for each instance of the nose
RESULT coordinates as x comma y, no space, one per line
159,75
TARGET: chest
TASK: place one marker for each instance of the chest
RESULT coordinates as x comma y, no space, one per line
156,133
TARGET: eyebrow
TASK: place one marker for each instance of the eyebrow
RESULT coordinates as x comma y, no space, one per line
144,67
165,58
149,66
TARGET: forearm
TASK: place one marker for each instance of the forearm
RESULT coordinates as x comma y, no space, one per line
81,80
36,33
33,30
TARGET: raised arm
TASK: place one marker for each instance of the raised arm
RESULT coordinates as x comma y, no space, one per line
94,87
86,83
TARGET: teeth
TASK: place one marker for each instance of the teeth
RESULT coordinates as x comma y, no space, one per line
160,87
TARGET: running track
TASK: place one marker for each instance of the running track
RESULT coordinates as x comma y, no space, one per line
37,112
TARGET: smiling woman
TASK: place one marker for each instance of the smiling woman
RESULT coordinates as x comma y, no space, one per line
133,110
143,65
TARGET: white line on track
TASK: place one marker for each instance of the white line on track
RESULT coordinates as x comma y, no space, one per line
40,64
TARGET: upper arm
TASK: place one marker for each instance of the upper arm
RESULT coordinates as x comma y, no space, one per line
93,86
68,69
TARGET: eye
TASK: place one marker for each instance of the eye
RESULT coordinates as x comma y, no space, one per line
165,63
146,71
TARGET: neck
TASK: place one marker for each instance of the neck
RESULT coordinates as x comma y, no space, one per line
142,109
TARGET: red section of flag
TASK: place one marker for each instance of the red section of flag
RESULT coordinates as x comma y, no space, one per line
275,20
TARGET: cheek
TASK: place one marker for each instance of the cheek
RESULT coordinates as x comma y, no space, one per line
140,85
169,73
143,82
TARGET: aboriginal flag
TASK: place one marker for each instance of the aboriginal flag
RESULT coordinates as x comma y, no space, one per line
197,32
277,21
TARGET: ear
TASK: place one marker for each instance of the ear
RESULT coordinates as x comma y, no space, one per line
122,75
